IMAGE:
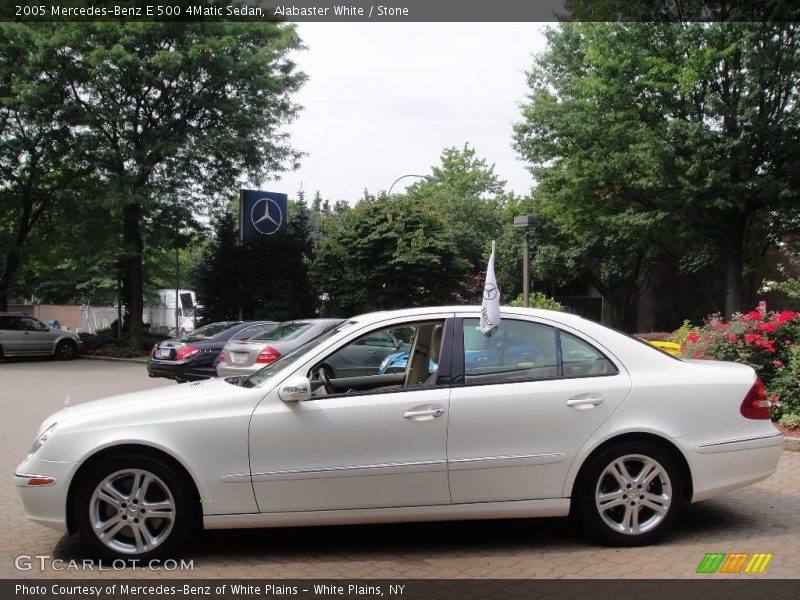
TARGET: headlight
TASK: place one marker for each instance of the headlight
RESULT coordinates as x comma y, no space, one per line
43,437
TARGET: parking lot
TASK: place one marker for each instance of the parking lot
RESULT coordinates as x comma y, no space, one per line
761,519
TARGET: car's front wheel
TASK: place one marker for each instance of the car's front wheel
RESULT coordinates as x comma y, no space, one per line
629,494
66,350
135,507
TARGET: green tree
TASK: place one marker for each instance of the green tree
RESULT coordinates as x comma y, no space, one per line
267,277
646,139
42,163
176,112
387,253
470,198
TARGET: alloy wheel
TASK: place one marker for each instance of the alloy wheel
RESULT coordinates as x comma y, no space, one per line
633,494
132,511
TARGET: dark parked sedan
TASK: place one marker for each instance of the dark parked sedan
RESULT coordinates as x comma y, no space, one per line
192,356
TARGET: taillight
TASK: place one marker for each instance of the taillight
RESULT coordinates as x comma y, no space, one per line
756,404
153,351
268,355
186,351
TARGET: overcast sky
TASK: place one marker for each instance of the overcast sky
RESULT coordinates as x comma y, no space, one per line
384,100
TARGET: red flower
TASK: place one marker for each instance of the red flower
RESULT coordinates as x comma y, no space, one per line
766,327
777,363
692,337
731,337
697,354
787,315
751,337
720,325
753,315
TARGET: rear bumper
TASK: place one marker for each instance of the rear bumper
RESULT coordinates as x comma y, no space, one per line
226,370
179,370
744,460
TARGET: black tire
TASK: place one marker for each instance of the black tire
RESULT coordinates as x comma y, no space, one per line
168,535
66,350
615,525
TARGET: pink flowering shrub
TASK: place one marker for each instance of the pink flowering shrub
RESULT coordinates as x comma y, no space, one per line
767,341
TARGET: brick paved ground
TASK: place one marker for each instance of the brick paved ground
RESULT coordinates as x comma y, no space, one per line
762,518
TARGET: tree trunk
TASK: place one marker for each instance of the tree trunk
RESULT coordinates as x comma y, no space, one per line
132,260
734,265
9,273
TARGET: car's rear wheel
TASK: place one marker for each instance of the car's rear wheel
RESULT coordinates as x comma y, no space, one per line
135,507
66,350
629,494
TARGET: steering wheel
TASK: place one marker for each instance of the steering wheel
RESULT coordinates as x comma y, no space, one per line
322,375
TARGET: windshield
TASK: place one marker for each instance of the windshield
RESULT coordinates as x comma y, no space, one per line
284,331
291,357
207,332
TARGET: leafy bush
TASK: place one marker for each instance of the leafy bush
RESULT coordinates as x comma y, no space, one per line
767,341
679,335
790,421
537,300
106,343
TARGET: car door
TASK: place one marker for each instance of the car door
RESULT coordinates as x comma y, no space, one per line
373,442
519,416
38,338
12,335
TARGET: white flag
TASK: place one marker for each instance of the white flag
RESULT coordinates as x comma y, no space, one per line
490,307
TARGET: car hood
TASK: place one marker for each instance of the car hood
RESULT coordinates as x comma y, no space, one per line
158,401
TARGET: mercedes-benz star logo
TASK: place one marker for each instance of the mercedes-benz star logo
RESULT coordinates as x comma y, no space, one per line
266,216
490,291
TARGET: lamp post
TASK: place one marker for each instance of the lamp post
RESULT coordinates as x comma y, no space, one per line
524,223
431,178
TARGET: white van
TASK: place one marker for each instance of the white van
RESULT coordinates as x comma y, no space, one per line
162,317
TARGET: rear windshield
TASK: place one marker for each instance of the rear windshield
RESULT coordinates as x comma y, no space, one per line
284,331
207,332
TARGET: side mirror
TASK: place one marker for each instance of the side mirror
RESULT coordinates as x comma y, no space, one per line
295,389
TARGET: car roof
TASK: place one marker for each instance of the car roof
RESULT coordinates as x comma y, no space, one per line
563,317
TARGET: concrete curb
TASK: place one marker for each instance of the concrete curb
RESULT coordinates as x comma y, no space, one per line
130,360
791,443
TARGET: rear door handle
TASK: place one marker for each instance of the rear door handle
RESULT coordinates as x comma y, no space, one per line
424,414
584,401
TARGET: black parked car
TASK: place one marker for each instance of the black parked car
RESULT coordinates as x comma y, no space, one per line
192,356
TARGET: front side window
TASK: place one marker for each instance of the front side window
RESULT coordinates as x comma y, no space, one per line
31,324
513,350
390,359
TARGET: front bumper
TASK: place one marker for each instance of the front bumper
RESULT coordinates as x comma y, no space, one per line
44,503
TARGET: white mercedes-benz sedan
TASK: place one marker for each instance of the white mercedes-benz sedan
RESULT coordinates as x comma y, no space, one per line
549,415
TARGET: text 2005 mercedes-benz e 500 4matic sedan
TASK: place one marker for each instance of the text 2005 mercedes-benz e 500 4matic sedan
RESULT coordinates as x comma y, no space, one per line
548,415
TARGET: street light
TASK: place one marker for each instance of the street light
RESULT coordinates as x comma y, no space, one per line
525,222
431,178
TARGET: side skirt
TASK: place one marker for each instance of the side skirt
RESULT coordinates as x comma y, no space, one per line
517,509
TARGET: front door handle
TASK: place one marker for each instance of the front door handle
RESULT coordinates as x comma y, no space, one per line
584,401
424,414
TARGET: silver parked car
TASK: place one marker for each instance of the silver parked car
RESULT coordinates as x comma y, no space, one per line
23,335
243,357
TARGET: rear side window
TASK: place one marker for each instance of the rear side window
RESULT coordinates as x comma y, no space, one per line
9,323
522,350
580,359
513,350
